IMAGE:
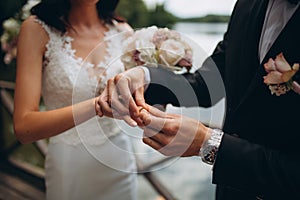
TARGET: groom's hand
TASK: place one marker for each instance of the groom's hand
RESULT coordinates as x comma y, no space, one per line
171,134
124,95
296,87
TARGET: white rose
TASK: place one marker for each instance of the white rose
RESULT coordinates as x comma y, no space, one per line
139,40
170,52
26,8
128,60
145,33
11,25
4,38
147,51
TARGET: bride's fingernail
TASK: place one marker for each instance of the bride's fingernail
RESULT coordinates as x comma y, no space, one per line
133,123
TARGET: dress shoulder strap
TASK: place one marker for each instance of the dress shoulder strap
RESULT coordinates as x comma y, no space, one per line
122,27
50,31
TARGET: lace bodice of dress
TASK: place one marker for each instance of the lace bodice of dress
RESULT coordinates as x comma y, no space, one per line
67,79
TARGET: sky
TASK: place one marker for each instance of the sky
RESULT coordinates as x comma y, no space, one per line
195,8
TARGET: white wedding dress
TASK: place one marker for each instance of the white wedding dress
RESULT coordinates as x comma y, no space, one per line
94,160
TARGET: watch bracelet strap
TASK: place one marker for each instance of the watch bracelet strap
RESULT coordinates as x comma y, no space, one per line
209,149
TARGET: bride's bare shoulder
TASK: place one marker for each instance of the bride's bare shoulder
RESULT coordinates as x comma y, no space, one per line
31,22
32,28
123,26
126,26
32,34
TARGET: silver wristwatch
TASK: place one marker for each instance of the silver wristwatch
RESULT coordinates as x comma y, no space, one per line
209,149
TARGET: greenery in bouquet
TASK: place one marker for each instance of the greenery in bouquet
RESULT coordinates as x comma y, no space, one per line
153,46
11,28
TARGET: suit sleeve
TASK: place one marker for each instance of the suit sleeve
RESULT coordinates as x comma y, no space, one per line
257,169
203,88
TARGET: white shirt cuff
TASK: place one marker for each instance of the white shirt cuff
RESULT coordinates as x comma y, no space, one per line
147,78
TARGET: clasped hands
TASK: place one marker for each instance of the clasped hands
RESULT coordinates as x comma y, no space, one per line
170,134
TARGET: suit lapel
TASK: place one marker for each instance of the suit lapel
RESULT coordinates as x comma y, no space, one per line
249,54
279,45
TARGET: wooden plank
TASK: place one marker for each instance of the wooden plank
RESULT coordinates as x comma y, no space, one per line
12,187
36,171
1,130
158,186
10,169
7,101
7,193
7,85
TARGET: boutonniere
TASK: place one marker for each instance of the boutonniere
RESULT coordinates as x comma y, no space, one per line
280,76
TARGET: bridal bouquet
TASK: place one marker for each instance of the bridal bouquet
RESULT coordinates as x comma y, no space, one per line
154,46
11,28
280,76
9,39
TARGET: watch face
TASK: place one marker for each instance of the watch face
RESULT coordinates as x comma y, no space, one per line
209,149
210,154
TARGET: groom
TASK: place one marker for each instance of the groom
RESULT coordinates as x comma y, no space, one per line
256,155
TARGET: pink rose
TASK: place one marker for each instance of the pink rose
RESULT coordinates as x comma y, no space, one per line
280,76
279,70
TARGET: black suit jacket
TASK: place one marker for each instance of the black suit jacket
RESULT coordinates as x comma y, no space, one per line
259,155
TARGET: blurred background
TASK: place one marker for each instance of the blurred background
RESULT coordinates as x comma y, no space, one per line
202,21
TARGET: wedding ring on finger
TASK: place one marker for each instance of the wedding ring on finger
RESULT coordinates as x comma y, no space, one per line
140,110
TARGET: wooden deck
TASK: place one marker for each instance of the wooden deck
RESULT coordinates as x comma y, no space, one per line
18,185
18,180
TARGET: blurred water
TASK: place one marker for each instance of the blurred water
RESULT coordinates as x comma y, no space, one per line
186,178
206,35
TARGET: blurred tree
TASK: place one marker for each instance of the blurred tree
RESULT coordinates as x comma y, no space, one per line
138,15
161,18
208,19
135,12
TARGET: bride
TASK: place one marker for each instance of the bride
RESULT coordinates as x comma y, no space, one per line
53,61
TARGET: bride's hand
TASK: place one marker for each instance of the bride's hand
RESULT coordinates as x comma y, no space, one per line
296,87
103,107
124,95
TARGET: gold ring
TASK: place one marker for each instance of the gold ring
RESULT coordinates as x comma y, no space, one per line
140,110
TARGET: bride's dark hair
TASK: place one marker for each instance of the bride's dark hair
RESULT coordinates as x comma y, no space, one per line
55,12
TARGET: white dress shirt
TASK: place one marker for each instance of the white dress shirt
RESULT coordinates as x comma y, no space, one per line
278,14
